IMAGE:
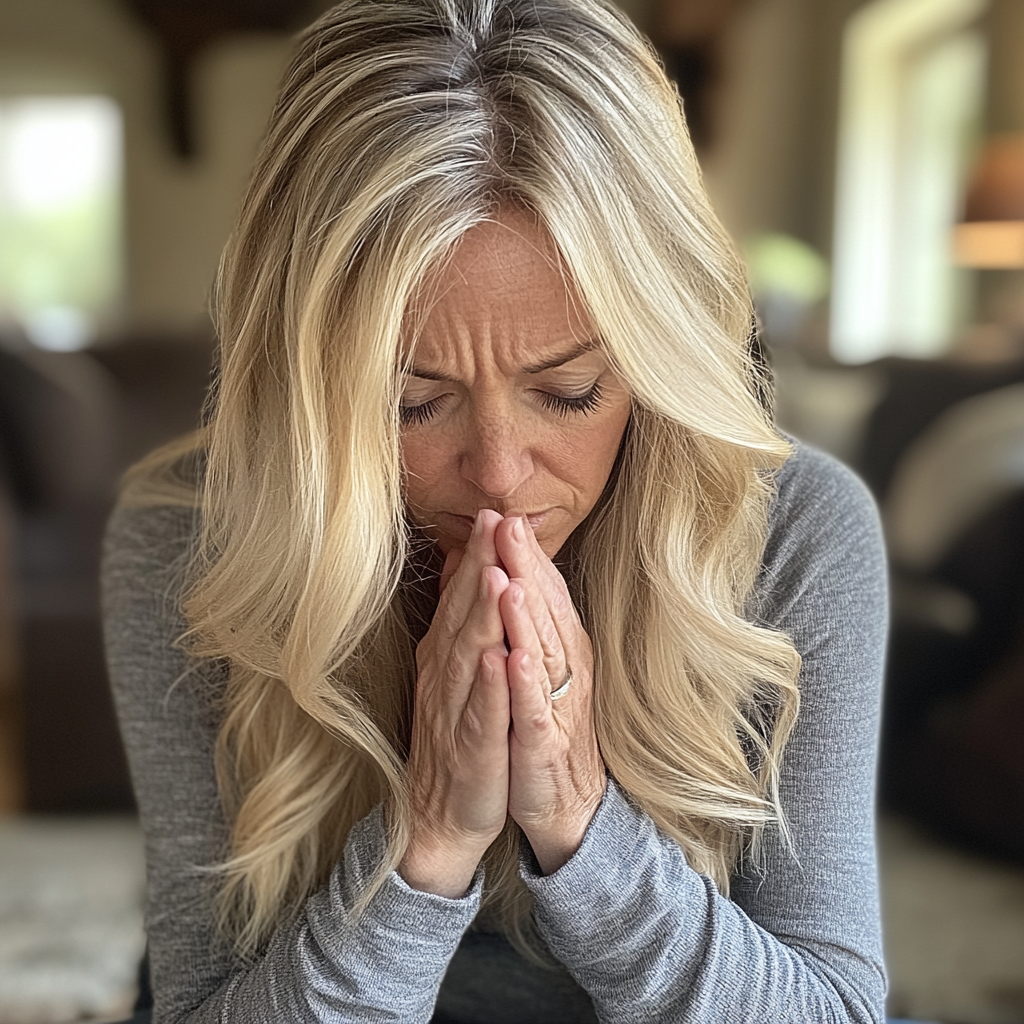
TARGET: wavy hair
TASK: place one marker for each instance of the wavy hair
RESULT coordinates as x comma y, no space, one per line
399,126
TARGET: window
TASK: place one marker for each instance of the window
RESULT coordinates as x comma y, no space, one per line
60,217
912,94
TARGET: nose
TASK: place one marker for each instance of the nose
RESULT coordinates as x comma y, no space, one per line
496,457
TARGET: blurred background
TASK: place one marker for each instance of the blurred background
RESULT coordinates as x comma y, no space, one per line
867,155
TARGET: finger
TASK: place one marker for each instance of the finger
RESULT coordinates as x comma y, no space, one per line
520,629
460,594
559,600
511,542
483,630
521,554
529,627
530,709
487,716
548,597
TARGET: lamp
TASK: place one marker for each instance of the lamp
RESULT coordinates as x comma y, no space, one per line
991,234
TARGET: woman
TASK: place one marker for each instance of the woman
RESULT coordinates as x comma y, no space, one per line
497,590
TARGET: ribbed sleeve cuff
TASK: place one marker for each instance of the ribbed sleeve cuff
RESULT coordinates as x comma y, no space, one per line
404,935
410,914
604,897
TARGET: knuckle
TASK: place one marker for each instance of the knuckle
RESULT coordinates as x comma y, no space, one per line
549,638
560,601
477,730
472,729
450,619
456,664
561,605
538,720
425,653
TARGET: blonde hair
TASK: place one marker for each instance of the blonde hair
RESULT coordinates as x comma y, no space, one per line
400,125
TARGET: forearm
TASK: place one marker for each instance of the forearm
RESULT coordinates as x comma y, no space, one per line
385,965
651,940
326,965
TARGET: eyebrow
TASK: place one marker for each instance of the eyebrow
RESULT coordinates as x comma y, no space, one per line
547,364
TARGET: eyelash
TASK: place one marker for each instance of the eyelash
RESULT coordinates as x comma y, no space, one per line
582,404
417,415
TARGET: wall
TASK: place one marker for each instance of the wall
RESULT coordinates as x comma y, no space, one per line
771,168
1004,27
177,213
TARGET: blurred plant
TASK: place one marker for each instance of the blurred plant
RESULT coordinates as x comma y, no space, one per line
788,279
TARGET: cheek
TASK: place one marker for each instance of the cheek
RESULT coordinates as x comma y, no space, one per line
587,455
607,437
422,468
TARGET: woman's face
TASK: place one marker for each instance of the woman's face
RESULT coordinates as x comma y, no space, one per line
508,405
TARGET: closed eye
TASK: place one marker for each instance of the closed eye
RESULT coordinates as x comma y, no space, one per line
563,405
417,415
566,405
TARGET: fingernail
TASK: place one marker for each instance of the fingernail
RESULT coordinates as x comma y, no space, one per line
478,524
526,664
483,584
518,530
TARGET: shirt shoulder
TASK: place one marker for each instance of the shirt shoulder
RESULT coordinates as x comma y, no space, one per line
157,684
823,522
144,539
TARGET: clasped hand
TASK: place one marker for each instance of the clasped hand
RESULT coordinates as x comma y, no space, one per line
487,740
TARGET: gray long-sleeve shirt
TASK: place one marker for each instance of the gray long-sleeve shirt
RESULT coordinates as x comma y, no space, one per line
641,935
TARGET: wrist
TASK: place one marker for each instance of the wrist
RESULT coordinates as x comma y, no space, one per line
552,854
444,869
554,846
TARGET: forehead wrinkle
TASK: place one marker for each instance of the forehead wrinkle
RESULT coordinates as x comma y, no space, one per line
577,315
503,301
581,349
433,286
576,312
591,345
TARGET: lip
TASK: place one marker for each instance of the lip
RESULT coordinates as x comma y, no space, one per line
535,519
